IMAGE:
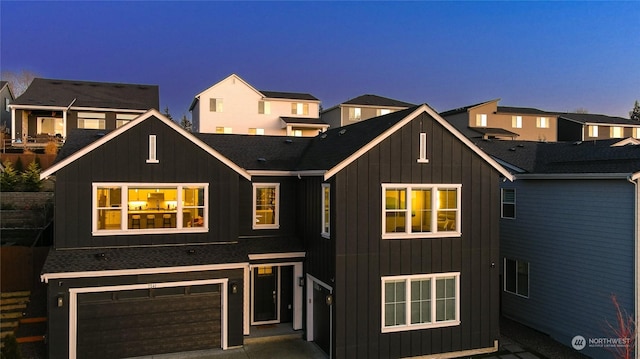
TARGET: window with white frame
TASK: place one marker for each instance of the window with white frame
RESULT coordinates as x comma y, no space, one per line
382,111
215,105
91,120
299,108
326,210
266,205
481,120
593,130
422,156
516,121
516,277
420,210
264,107
126,208
617,132
542,122
420,301
124,118
153,153
355,113
508,209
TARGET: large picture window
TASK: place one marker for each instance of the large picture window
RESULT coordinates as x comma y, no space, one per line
149,208
420,210
266,205
420,301
516,277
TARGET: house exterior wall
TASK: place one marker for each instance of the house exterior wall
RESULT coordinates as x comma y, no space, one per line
180,161
604,132
578,238
362,257
570,131
332,117
5,112
529,130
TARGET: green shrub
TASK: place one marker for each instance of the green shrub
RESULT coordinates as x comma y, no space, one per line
10,349
31,178
9,179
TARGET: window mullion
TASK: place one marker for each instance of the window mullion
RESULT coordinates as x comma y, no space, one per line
179,208
124,212
433,298
434,209
407,215
407,297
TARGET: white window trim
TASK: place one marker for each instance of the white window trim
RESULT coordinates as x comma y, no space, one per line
276,213
423,148
618,129
504,279
153,150
124,189
326,233
408,278
434,219
502,203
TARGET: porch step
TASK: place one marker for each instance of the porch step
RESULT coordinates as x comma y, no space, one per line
274,338
32,339
12,307
24,293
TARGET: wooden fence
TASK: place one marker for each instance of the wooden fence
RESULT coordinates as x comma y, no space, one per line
20,267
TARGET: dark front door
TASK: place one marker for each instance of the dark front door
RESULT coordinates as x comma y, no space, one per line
321,318
265,294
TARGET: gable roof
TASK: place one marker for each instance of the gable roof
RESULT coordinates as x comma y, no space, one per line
465,108
305,120
375,100
84,94
289,95
523,110
81,144
588,118
612,157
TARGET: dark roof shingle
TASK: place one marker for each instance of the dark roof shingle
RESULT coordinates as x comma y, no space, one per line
375,100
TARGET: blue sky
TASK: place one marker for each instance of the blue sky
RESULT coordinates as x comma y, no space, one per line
556,56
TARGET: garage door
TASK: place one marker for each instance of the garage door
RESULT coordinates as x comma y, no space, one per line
148,321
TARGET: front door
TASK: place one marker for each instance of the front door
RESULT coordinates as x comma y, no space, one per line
265,294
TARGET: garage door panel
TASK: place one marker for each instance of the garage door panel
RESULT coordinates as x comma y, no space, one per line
133,325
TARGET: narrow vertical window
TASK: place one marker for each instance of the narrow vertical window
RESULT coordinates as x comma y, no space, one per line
326,210
516,277
423,149
508,203
153,154
266,205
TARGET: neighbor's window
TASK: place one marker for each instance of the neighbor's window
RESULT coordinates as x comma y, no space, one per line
326,208
264,107
420,301
420,210
297,133
256,131
91,120
124,118
266,205
355,113
508,203
299,108
542,122
516,277
617,132
636,132
481,120
516,121
382,111
593,131
147,208
224,130
215,105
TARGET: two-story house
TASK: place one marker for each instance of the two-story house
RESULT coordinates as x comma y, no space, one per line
361,108
378,239
50,108
488,120
234,106
6,98
569,239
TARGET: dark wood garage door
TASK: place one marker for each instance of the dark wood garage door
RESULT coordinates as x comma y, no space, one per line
148,321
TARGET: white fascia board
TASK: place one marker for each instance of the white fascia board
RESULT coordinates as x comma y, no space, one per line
224,79
270,173
46,277
573,176
37,107
303,125
255,257
102,109
635,176
111,135
402,123
283,99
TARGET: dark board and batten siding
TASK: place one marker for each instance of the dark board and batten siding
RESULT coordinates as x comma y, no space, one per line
577,236
123,159
362,257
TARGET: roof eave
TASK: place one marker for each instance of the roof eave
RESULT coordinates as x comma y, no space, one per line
574,176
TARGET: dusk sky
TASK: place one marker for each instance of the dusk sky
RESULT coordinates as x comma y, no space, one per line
555,56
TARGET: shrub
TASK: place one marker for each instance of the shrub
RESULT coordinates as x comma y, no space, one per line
10,349
51,148
9,179
31,178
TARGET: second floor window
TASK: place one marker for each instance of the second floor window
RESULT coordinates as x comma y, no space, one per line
516,121
542,122
382,111
266,205
593,131
264,107
215,105
617,132
481,120
224,130
355,113
326,210
124,118
508,203
256,131
299,108
91,120
420,210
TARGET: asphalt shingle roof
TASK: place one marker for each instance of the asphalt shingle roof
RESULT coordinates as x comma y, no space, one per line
595,118
305,120
289,95
52,92
375,100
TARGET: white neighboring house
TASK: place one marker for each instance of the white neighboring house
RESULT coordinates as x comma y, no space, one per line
234,106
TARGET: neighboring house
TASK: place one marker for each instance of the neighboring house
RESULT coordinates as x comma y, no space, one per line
234,106
488,120
50,108
6,98
378,239
569,236
361,108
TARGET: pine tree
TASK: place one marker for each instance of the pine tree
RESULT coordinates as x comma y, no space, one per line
31,178
635,113
185,123
9,179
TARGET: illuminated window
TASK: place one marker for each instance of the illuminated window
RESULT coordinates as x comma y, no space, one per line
265,270
481,120
297,133
382,111
215,105
326,210
264,107
617,132
224,130
420,211
91,120
423,149
299,108
516,277
355,113
266,205
542,122
256,131
420,301
636,132
124,118
593,131
149,208
516,121
153,154
50,125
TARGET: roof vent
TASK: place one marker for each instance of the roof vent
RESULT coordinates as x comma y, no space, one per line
343,131
512,149
288,141
577,143
520,145
191,251
101,256
262,159
324,135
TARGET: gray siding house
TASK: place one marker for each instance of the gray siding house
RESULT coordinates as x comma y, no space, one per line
569,237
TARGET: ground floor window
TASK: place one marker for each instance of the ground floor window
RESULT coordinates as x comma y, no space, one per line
420,301
516,277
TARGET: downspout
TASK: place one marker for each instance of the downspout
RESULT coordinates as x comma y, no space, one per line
637,263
